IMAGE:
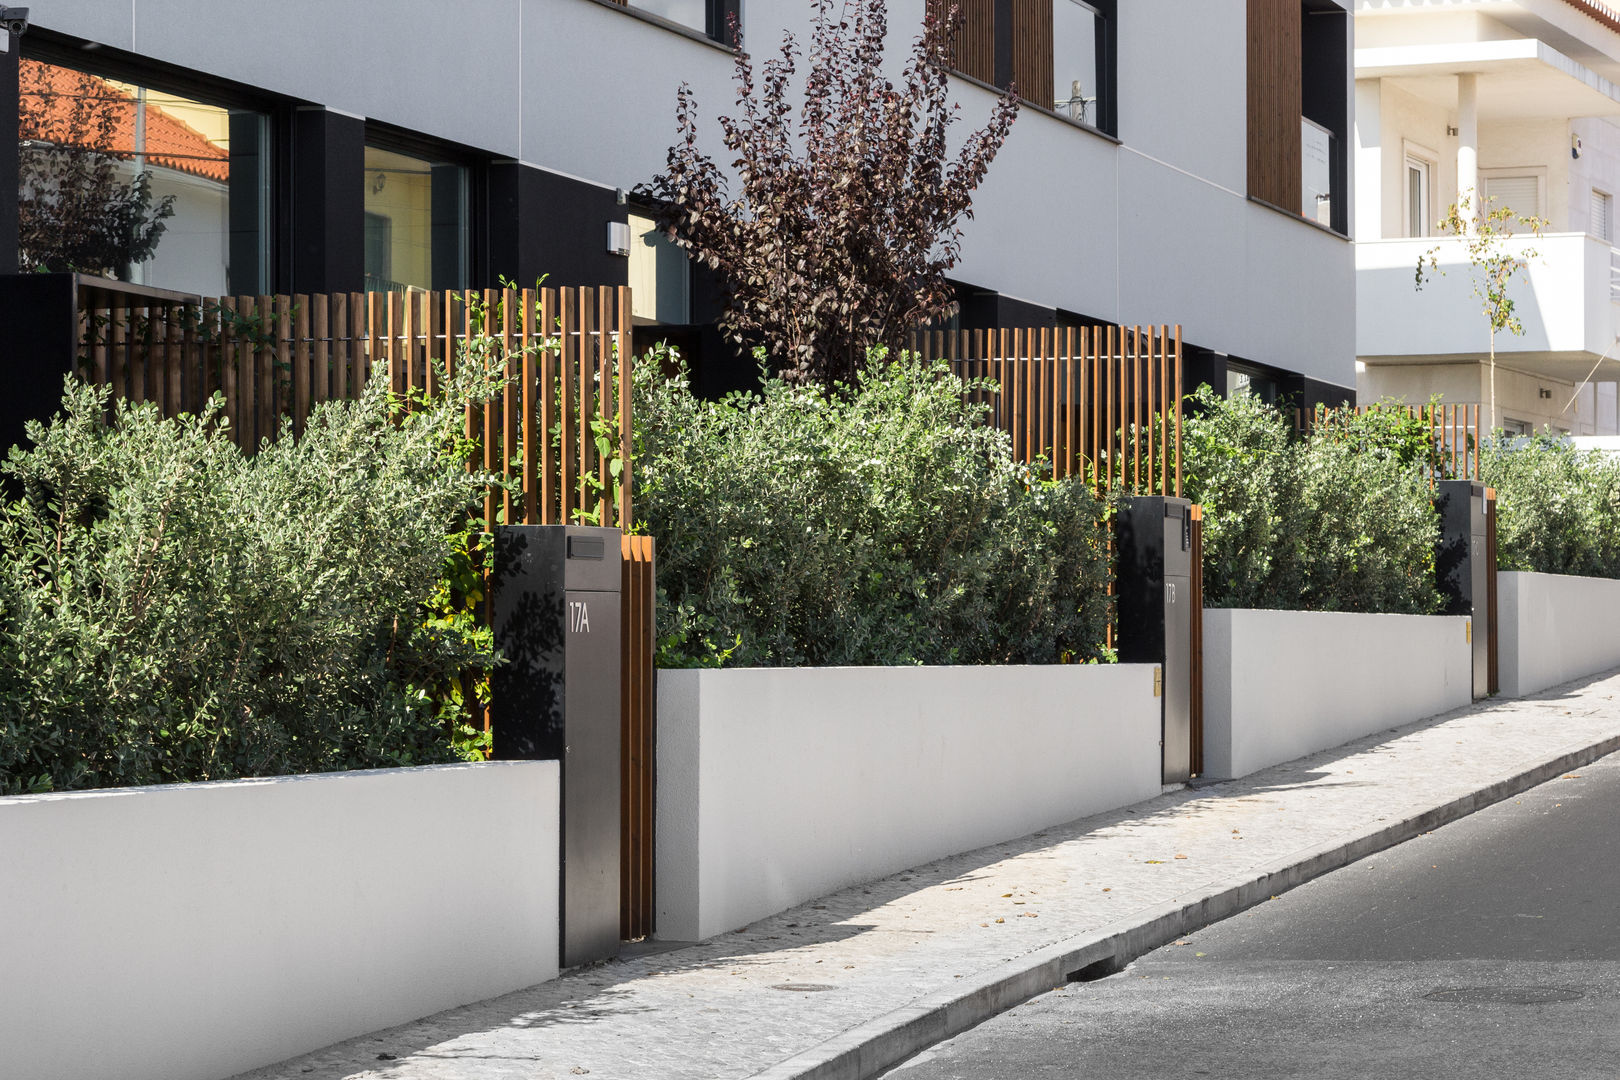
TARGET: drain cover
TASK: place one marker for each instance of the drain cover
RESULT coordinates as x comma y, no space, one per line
1505,995
803,988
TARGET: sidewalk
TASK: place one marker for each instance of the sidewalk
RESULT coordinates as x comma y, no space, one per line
848,985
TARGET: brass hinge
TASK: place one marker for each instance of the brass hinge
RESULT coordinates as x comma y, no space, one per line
1468,631
1158,681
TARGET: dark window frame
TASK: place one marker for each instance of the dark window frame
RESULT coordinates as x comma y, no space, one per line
1106,122
93,58
717,17
475,165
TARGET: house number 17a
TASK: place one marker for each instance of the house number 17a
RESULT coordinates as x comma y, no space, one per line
579,617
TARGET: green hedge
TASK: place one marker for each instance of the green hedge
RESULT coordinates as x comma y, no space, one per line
174,610
1558,508
1339,521
882,523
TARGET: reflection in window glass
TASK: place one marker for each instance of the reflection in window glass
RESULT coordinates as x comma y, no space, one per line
658,275
129,182
693,13
416,223
1075,28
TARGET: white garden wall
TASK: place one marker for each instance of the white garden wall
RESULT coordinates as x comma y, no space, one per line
777,785
191,932
1282,684
1554,628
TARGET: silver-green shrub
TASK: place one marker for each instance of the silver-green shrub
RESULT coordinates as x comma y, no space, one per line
1557,508
172,609
882,523
1338,521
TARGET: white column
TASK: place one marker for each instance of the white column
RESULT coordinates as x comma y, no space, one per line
1468,145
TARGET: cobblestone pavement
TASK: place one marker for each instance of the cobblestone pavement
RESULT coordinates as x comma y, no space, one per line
715,1010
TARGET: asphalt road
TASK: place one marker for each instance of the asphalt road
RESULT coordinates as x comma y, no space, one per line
1488,948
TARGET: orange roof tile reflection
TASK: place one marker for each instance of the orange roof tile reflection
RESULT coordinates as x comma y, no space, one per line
51,96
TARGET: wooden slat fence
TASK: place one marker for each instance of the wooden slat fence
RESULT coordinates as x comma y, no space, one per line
274,358
1102,402
1455,432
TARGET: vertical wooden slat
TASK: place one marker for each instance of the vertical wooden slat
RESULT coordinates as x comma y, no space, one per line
584,385
1110,372
1150,409
1178,395
605,403
491,411
567,311
550,513
278,366
301,363
264,368
320,348
1137,345
531,479
510,401
622,350
1071,401
118,355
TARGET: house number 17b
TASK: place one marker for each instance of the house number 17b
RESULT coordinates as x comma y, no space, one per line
579,617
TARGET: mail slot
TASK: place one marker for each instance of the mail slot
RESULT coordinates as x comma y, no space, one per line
556,620
1153,541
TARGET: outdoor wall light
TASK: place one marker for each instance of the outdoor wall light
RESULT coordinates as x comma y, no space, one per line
1574,146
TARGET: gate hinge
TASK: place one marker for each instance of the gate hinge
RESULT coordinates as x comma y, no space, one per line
1468,631
1158,681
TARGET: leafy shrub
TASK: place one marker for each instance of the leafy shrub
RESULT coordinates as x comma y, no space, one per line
880,523
1557,508
172,609
1339,521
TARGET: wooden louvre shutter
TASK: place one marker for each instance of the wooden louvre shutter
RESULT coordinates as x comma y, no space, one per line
975,45
1032,50
1275,97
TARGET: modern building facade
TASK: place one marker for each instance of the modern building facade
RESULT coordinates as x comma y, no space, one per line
1177,161
1518,100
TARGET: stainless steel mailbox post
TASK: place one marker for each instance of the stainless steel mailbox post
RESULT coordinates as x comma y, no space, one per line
1461,573
1153,590
556,620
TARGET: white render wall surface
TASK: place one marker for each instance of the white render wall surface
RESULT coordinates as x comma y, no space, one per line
194,931
1554,628
1155,227
778,785
1282,684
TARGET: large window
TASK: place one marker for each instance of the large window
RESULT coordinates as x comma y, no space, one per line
416,222
711,18
1078,34
130,182
1058,53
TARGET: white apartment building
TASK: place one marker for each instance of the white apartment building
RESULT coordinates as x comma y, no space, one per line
1178,161
1519,99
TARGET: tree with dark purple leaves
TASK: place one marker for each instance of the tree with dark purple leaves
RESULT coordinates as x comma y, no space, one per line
846,221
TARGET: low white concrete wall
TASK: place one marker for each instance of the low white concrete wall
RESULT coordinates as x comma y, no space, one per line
1553,628
1282,684
191,932
777,785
